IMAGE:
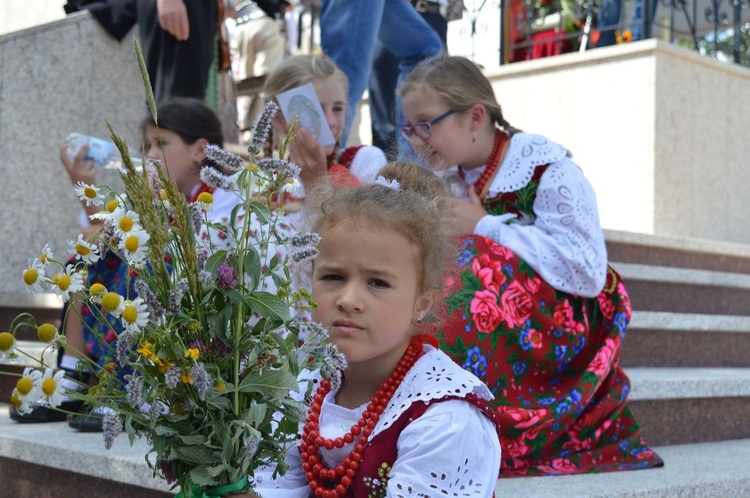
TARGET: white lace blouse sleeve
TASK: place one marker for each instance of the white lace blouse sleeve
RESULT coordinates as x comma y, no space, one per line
291,485
564,243
367,162
451,447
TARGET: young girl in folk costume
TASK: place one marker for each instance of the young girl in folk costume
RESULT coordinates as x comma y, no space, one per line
405,419
352,165
536,312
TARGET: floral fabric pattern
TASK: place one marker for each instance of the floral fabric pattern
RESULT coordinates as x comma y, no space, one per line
550,358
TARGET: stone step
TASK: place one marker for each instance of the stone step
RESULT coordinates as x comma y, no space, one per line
690,405
662,339
79,461
685,290
681,252
704,470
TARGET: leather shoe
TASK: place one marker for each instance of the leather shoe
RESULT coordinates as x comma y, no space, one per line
90,421
41,414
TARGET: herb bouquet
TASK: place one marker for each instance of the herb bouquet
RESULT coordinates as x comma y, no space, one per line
207,358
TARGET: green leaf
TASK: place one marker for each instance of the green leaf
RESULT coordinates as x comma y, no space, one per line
216,259
260,211
268,381
268,305
197,455
252,265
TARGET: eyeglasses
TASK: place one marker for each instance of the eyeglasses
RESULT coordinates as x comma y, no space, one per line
424,129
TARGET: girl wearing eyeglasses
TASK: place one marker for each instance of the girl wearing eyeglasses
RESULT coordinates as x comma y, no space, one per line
536,313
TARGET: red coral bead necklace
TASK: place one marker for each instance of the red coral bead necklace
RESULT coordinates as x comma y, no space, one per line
331,483
492,163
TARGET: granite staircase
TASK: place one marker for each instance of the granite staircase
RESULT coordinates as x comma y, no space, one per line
687,353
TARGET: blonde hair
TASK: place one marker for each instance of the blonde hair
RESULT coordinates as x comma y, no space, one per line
459,84
414,210
299,70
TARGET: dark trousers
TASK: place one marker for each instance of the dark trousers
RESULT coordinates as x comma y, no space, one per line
178,68
382,90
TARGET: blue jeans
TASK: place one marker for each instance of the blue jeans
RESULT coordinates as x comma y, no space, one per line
382,90
349,30
637,20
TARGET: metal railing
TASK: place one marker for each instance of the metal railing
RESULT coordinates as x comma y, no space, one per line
532,29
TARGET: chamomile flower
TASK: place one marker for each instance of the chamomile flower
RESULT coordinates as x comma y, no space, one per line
28,387
23,406
125,221
291,185
84,250
108,212
46,256
134,315
66,283
33,276
206,201
53,392
113,303
89,194
47,333
134,246
7,346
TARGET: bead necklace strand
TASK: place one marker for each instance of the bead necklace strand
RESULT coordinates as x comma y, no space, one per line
492,163
341,476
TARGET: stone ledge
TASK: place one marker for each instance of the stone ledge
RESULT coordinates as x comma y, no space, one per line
689,276
692,470
686,383
688,322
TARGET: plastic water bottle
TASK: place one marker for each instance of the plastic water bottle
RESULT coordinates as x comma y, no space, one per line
103,152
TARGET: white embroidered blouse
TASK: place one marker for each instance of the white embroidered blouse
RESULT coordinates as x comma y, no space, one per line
452,446
563,239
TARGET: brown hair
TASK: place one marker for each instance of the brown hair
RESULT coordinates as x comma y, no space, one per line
299,70
414,210
459,83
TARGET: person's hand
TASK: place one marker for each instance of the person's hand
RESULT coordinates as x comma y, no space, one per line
305,152
463,216
173,18
78,168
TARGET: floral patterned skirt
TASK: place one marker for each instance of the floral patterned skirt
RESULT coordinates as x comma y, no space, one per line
550,358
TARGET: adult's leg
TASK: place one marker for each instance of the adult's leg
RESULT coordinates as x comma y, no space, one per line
638,22
609,18
178,68
407,36
348,30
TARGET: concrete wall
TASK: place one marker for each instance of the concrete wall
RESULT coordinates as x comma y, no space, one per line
65,76
660,132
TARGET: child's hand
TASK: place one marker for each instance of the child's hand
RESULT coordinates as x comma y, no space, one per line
305,152
463,216
78,168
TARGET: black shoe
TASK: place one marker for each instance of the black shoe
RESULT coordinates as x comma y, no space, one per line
41,414
90,421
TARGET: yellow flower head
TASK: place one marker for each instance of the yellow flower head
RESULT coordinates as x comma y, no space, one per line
47,332
24,385
30,276
252,167
97,289
7,341
112,205
193,353
14,399
111,301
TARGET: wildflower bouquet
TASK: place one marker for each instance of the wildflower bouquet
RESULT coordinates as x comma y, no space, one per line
213,343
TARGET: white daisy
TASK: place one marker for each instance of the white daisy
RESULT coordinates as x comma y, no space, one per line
291,185
23,405
113,303
7,346
205,201
29,386
66,283
107,213
134,246
53,392
125,221
89,194
33,276
46,256
134,315
84,250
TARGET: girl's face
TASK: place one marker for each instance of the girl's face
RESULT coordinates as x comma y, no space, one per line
450,138
183,160
332,96
365,282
